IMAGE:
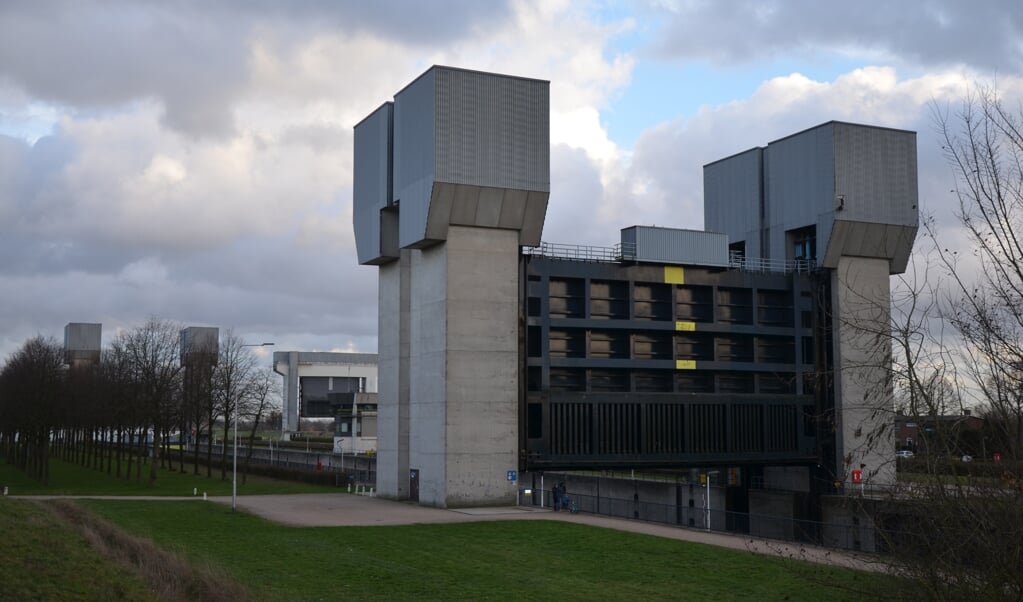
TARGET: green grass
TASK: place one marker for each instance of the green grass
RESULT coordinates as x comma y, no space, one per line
44,560
475,561
71,479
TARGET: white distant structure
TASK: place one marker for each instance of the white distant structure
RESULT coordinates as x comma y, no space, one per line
342,386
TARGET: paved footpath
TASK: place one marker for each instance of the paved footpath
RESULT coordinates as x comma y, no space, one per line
347,510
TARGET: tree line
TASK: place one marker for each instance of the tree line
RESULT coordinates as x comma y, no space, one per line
138,404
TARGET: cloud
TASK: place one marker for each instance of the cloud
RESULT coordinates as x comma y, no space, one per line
193,160
983,36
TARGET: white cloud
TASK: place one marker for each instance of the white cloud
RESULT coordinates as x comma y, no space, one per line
199,165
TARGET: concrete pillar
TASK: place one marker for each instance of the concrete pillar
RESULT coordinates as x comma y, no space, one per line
864,399
392,395
463,397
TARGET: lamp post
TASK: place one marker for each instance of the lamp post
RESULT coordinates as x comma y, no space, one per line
706,504
234,469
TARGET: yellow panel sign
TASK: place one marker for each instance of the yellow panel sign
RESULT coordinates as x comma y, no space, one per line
687,326
685,364
674,275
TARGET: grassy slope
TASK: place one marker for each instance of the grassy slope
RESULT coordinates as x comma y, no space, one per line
68,479
488,560
44,560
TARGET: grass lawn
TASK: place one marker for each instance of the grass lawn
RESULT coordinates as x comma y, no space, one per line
71,479
44,560
486,560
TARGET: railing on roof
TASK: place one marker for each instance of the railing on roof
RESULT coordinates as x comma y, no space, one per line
617,253
627,252
737,261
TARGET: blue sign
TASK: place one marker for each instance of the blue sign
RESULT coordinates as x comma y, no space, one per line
511,475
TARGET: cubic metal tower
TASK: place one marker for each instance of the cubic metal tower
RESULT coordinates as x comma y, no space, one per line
450,180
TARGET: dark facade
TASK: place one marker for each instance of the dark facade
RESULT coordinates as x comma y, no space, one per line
633,364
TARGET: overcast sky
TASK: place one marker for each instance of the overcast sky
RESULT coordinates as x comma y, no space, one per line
192,160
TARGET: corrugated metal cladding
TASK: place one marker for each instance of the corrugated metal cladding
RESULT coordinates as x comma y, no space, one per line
82,336
200,339
372,185
492,130
414,156
732,191
875,172
671,245
800,184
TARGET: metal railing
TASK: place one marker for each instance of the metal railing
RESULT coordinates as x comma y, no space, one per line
627,252
757,264
614,254
845,536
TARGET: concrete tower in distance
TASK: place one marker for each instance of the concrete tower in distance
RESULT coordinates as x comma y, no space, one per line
82,344
451,178
200,352
841,197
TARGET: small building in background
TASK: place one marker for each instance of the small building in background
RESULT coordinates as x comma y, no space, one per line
341,386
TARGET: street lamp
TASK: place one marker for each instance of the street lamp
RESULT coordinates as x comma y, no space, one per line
234,469
706,505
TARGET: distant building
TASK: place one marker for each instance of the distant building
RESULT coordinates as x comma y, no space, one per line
82,344
342,386
959,434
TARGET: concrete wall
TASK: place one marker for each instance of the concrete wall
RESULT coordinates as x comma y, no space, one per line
771,514
390,481
427,372
482,364
864,398
847,525
463,359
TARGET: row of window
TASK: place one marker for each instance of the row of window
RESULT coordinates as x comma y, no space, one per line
614,380
664,345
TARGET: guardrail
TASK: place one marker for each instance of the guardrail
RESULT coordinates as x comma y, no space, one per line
627,252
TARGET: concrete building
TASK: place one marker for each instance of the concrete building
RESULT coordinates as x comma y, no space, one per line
322,384
737,351
451,179
843,197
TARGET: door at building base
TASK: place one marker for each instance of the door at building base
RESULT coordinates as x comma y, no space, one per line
413,485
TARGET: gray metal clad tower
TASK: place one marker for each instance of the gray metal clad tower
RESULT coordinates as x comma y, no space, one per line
843,196
450,180
82,344
200,344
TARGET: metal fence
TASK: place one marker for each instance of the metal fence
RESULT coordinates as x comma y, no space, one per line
856,536
361,468
616,253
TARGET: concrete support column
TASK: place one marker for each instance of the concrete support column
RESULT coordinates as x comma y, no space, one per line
864,397
463,394
392,396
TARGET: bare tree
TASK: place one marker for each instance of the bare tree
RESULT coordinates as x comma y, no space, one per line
32,389
983,142
955,528
263,397
233,384
153,356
